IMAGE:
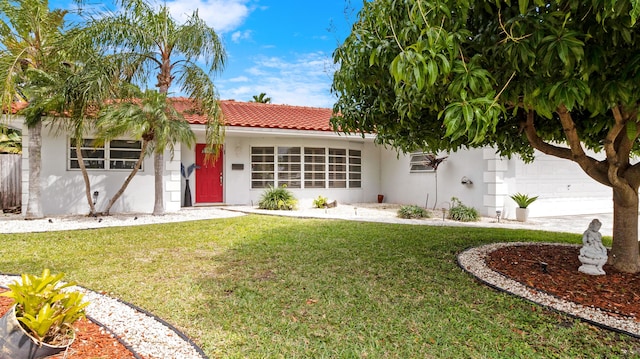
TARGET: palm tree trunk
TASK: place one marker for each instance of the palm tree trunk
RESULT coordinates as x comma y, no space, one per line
34,207
85,176
158,165
113,200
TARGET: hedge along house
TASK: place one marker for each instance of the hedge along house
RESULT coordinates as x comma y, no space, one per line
274,145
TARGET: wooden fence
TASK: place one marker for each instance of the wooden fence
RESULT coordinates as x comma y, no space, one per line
10,181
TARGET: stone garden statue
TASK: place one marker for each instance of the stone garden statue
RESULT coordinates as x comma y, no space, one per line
593,255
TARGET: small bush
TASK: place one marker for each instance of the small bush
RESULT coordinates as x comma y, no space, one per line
320,202
412,211
278,198
462,213
523,200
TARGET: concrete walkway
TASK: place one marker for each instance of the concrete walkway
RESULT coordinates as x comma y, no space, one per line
387,213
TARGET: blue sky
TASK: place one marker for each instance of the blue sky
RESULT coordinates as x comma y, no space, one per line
280,47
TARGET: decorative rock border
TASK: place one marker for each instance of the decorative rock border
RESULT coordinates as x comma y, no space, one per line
140,331
473,261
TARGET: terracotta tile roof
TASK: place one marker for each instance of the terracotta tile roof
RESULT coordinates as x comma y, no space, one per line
17,106
261,115
252,114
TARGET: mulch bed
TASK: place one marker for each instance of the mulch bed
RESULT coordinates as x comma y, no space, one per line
92,341
616,293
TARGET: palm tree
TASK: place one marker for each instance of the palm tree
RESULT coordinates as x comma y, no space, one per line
155,43
152,119
261,98
30,46
88,83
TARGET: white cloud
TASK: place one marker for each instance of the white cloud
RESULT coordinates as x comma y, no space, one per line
223,15
239,79
302,80
240,35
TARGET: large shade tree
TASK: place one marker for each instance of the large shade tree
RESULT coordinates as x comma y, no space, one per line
557,76
156,44
31,49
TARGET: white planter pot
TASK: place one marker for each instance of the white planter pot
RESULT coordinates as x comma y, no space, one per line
522,214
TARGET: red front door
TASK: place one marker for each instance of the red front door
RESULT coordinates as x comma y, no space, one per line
208,177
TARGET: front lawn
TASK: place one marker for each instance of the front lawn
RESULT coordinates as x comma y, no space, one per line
274,287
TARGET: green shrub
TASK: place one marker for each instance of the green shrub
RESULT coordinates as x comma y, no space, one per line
320,202
462,213
277,198
43,309
412,211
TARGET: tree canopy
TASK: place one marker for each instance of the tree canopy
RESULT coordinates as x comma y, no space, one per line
261,98
556,76
153,42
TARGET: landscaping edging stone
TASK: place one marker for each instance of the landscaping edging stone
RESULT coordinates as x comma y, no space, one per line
473,262
141,332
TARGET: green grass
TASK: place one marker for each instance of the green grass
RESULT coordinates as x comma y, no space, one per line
274,287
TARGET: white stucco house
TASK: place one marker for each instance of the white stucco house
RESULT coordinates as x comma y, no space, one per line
268,144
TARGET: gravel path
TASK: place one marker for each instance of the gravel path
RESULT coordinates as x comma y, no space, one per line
15,223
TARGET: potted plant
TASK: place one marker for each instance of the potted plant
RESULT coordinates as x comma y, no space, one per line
523,201
40,323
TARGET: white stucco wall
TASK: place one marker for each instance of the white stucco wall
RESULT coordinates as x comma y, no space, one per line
399,185
63,189
562,186
237,183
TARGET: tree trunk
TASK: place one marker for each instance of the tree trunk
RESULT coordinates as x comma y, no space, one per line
113,200
85,176
34,208
625,253
158,165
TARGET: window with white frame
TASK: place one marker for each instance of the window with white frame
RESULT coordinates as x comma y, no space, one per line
314,167
337,168
262,167
355,169
419,162
306,167
289,167
113,155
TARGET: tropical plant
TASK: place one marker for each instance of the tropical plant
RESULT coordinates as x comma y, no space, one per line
261,98
461,212
556,76
152,120
277,198
31,48
44,309
10,141
320,202
153,42
413,211
523,200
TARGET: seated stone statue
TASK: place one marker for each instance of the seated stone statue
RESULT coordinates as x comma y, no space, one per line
593,255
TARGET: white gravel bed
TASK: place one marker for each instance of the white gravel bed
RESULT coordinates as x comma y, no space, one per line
15,223
473,261
143,333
